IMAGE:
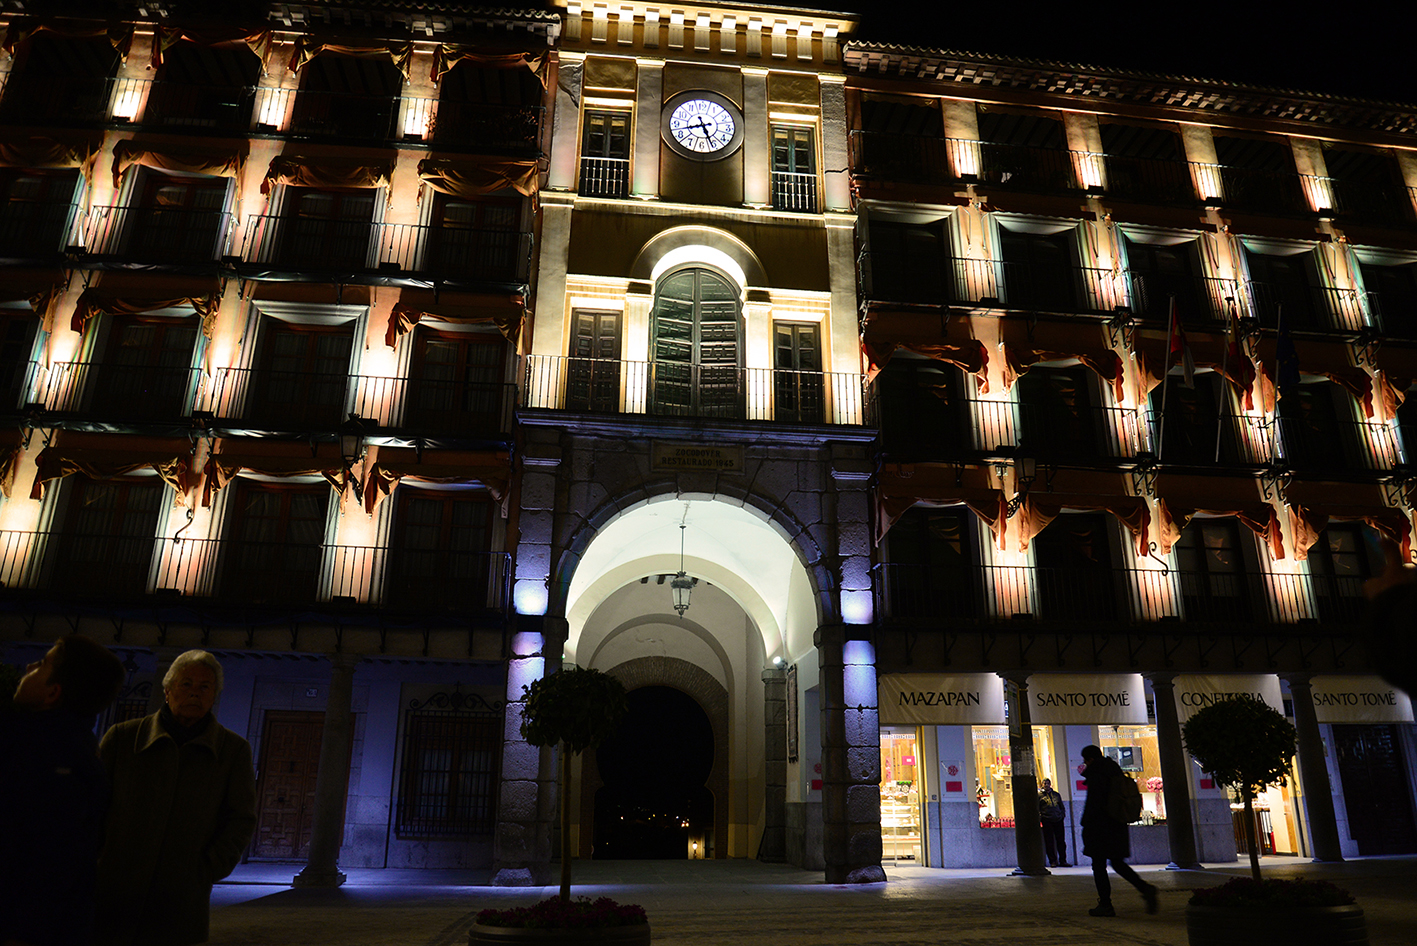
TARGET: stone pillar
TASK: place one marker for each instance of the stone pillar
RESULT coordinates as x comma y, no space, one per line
1175,775
773,849
649,102
851,756
332,781
521,855
836,158
1313,771
1028,832
757,148
561,172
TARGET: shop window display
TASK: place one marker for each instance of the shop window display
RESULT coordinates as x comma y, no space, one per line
900,795
1134,749
993,771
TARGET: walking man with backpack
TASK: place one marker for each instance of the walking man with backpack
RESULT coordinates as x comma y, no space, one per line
1105,837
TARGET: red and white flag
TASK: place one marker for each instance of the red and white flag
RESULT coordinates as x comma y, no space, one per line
1180,351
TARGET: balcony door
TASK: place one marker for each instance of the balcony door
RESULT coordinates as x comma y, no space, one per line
593,374
456,382
440,556
146,371
697,334
35,210
180,219
797,373
328,229
106,544
276,533
302,374
475,240
1074,560
605,154
1212,571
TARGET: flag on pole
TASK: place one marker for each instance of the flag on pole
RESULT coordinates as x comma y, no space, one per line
1244,370
1180,351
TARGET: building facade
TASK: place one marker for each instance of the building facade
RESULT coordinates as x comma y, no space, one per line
913,419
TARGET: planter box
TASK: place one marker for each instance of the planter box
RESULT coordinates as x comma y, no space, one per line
1311,926
637,935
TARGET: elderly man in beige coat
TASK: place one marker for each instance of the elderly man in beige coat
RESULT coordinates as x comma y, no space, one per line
184,808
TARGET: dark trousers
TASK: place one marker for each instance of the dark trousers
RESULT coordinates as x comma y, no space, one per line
1104,884
1055,842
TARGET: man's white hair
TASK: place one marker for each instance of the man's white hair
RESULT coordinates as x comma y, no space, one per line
194,657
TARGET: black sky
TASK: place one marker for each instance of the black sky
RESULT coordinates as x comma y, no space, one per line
1362,48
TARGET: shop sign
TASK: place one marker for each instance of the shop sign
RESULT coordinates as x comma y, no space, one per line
938,699
695,457
1196,691
1359,700
1111,699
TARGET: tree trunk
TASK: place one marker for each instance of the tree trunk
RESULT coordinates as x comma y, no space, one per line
1252,829
566,824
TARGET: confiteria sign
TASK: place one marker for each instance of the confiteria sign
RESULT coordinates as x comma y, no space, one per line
1196,691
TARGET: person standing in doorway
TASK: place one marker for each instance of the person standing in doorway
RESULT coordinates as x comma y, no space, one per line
184,809
1052,815
1104,838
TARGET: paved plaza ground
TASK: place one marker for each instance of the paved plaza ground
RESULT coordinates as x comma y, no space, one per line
739,902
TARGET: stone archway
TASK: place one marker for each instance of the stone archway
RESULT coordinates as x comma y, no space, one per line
711,697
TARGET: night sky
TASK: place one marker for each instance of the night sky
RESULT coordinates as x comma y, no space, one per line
1368,54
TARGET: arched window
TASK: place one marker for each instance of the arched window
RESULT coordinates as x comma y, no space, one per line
696,331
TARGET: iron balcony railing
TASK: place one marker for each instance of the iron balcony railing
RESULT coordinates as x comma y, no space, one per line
1149,180
1242,188
929,159
794,192
160,235
422,402
605,177
487,129
484,255
208,108
38,229
996,283
310,244
608,386
1372,202
1104,595
1035,170
1199,299
1336,444
56,99
1394,315
116,393
896,157
245,572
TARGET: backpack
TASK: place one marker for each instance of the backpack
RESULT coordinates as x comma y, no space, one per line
1123,799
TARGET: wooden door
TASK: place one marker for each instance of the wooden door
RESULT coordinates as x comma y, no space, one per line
290,760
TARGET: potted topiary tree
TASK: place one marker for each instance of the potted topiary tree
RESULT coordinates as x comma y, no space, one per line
1245,744
577,710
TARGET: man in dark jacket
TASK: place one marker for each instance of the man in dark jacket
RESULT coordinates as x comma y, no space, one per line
53,794
1104,838
184,808
1052,815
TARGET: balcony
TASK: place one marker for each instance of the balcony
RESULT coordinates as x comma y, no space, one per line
607,386
344,116
57,99
1150,180
1359,201
1199,299
158,235
456,254
119,393
1254,190
930,160
993,283
487,129
605,177
310,244
287,400
795,193
1337,445
37,230
199,108
911,593
241,573
894,157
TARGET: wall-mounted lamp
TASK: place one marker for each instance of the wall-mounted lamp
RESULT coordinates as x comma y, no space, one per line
352,448
1025,472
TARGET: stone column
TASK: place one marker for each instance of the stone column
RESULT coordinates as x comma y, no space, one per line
1175,775
851,756
1313,771
1028,832
521,854
332,780
773,849
757,148
649,102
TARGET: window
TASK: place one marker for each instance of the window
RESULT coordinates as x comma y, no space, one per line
794,169
1160,271
59,80
106,544
923,410
1059,421
994,773
173,220
1074,568
1283,284
302,374
605,154
36,209
1339,563
1025,152
901,139
448,782
456,382
327,229
203,86
1038,270
1258,174
593,375
1212,571
1392,297
440,555
492,110
900,795
929,571
797,373
277,532
906,261
1147,164
695,326
1136,749
476,240
347,97
1311,434
145,373
1188,429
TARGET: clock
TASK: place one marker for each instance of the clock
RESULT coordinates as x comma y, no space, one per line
704,126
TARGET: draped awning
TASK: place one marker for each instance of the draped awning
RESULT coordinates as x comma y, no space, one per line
1207,351
1180,498
222,468
935,335
217,162
50,151
472,176
126,301
1313,504
308,47
22,28
491,468
258,40
301,171
1073,489
1332,360
1027,343
415,305
447,55
173,466
900,486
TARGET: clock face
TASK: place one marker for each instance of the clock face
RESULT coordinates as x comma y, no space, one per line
702,125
